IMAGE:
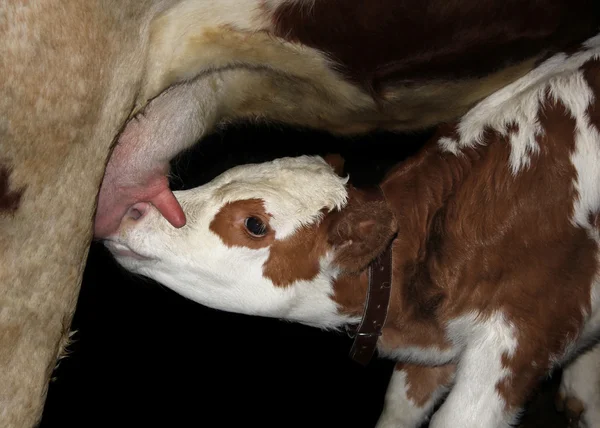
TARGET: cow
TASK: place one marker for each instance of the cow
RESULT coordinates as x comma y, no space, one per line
475,264
138,81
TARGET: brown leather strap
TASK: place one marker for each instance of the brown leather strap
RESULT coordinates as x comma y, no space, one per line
376,308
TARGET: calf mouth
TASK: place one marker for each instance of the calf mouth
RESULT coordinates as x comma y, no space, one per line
121,250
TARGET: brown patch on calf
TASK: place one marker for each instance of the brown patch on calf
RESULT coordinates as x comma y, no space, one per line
382,42
474,237
507,244
358,233
411,306
509,241
350,292
423,381
9,199
413,196
229,225
296,257
362,230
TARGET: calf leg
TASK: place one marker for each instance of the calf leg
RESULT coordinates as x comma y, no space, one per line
579,393
412,393
485,393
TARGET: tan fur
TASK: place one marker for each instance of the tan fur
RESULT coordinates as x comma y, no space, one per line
70,72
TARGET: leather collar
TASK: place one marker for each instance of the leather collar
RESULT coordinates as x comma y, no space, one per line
376,308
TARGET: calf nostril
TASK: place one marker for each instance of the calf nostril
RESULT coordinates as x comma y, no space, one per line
138,210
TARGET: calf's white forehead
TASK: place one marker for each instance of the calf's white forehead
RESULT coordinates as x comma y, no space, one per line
294,190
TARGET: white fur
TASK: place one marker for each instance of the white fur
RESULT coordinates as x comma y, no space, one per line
578,96
196,263
519,104
474,401
399,410
581,380
294,190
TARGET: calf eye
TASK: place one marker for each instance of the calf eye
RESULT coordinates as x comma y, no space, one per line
255,226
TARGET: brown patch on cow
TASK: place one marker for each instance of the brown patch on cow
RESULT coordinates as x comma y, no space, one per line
9,199
296,257
229,225
423,381
388,41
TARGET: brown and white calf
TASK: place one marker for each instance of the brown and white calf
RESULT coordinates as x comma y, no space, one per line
74,74
495,235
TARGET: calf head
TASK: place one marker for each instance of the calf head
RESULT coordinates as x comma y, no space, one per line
263,239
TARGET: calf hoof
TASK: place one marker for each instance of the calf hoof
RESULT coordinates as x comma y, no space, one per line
572,408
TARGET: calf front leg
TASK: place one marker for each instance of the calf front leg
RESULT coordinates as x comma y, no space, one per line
486,392
579,393
412,393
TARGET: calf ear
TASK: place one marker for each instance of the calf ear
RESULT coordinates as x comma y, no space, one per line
336,161
360,232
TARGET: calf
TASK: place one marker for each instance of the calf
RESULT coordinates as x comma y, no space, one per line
494,231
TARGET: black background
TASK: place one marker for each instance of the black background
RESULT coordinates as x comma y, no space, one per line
144,356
